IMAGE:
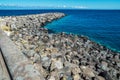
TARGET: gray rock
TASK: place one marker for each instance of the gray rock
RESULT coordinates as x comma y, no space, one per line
118,64
59,64
56,64
52,78
36,58
46,62
104,65
100,78
29,53
13,27
76,70
105,75
87,71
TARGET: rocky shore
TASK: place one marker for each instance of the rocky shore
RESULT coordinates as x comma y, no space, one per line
60,56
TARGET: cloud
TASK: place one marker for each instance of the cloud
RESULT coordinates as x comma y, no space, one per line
4,6
8,5
11,6
64,6
79,7
71,7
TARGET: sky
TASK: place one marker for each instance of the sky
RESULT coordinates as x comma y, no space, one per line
60,4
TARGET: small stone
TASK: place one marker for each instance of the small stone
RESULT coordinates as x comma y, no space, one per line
24,41
20,35
51,78
76,77
76,70
118,64
36,58
52,66
31,46
45,38
56,64
104,65
87,71
63,78
100,78
29,53
69,78
46,62
13,27
40,69
75,61
59,64
55,74
106,75
45,58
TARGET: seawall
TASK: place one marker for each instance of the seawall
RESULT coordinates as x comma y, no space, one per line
19,67
54,56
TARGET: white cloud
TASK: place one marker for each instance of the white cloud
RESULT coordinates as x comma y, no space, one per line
64,6
50,6
79,7
8,5
73,7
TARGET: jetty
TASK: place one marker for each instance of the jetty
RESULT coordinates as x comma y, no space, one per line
29,52
13,63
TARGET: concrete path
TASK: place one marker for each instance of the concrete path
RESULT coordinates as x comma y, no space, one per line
4,75
19,66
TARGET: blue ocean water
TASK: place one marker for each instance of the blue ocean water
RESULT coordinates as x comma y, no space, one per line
102,26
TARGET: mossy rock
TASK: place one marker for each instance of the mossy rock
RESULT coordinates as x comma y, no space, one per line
24,41
6,28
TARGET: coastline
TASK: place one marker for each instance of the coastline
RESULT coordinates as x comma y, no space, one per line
90,38
82,57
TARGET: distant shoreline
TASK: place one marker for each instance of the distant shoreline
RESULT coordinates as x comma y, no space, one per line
57,9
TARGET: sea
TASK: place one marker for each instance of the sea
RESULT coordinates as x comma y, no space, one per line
101,26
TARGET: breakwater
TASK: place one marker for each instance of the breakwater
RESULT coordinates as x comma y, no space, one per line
19,66
60,56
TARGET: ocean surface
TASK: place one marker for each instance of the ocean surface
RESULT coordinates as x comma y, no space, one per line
101,26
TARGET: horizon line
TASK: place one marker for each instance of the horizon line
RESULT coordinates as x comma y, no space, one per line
57,9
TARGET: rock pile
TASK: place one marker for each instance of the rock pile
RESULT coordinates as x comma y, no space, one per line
12,23
62,56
